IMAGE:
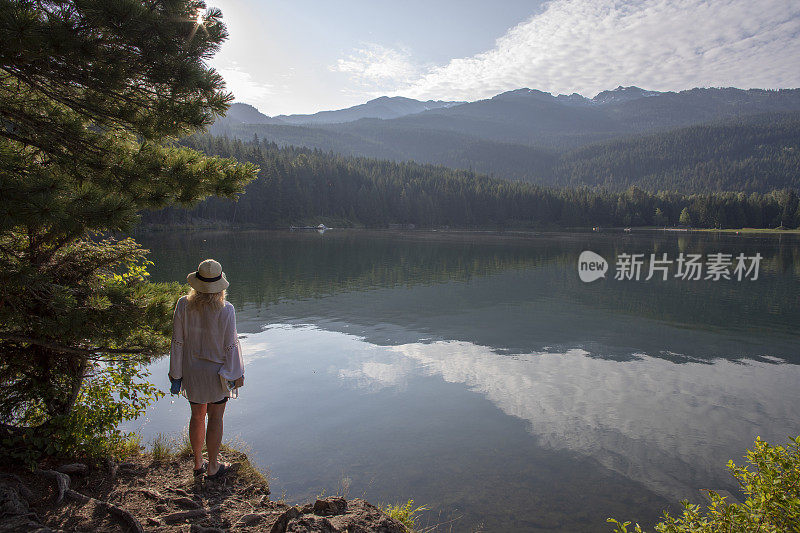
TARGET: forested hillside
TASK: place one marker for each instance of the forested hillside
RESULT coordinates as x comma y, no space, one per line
298,185
754,154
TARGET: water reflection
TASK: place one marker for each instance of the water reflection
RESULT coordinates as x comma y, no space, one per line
669,427
273,267
477,374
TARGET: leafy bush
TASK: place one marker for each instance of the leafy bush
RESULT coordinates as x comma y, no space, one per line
772,497
113,392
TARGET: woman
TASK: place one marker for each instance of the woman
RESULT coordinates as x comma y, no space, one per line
206,361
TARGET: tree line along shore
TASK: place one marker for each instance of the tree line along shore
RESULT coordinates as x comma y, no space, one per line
298,186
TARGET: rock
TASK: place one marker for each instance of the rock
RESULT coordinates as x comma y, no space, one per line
11,504
180,516
130,469
22,489
317,524
251,519
27,523
185,503
155,522
61,480
283,520
330,506
308,508
363,516
200,529
150,493
111,467
180,492
161,508
73,468
131,521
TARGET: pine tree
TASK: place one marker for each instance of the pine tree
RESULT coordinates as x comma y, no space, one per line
93,96
685,218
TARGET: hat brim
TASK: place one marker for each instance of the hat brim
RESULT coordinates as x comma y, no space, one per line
204,286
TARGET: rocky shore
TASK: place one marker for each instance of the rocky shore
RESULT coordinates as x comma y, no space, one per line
141,494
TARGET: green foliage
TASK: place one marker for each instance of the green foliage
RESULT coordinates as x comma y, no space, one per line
113,392
407,514
771,484
93,95
87,316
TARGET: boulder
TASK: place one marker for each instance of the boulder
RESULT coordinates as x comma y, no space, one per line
251,519
330,506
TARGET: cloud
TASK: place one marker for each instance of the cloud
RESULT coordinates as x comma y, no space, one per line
587,46
375,65
373,375
242,84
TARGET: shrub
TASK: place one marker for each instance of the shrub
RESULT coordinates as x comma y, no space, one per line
771,485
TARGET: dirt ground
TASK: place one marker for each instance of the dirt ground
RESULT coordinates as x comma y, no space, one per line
142,495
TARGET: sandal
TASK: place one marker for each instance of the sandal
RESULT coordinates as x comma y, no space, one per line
223,469
202,470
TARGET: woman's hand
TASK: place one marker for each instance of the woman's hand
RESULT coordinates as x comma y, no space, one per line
175,385
239,382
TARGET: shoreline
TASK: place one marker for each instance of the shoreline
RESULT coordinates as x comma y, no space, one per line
149,230
157,491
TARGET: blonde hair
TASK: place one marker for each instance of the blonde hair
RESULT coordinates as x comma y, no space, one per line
209,300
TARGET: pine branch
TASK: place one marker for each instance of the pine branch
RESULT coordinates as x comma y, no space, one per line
72,349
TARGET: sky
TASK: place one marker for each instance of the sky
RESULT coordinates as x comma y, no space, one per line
304,56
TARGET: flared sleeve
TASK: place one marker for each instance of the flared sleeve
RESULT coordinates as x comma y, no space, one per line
176,346
233,367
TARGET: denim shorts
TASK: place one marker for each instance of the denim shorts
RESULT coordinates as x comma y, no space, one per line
225,399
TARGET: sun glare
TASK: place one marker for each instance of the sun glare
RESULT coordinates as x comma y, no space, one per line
199,19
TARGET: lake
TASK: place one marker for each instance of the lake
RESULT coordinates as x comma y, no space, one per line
477,374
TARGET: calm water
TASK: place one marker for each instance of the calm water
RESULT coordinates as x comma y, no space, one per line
476,374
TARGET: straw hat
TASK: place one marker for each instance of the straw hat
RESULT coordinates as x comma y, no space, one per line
208,278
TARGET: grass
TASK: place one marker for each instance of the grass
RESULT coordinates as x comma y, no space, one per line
184,445
162,448
127,445
234,450
407,514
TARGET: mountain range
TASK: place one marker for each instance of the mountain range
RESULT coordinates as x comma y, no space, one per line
385,107
531,135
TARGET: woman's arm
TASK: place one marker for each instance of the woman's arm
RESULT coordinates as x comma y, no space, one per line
233,368
176,346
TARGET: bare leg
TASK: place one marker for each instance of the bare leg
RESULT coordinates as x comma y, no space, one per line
197,432
214,435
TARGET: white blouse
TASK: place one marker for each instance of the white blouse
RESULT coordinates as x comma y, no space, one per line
208,334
